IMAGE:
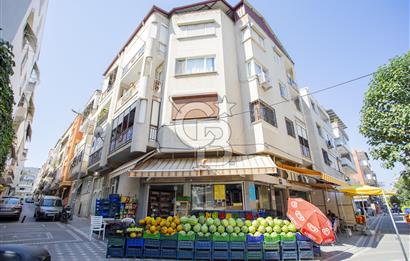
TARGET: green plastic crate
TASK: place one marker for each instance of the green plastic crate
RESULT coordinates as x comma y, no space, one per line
203,238
272,238
237,238
220,238
116,241
271,246
186,237
151,236
288,238
167,237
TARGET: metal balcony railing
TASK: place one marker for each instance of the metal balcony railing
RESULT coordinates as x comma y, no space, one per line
153,132
95,157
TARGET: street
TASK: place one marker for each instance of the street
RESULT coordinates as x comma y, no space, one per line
70,241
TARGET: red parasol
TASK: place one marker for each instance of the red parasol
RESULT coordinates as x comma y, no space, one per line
310,221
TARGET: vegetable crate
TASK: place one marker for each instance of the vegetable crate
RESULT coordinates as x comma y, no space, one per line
185,250
152,248
203,254
254,255
220,255
115,247
134,247
237,250
305,250
169,246
289,249
271,255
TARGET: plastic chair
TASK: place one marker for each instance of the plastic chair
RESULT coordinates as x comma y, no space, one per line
97,224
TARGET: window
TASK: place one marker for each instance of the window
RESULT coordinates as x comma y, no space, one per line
263,197
217,196
195,65
198,29
246,33
303,140
283,90
122,127
261,111
276,55
319,130
254,68
202,106
258,38
326,157
297,103
290,127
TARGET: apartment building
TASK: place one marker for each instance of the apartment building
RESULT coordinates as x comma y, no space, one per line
365,174
22,24
25,185
201,103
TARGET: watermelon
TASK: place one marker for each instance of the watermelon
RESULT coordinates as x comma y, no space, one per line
212,228
221,229
248,223
197,228
210,221
236,230
204,228
245,229
229,229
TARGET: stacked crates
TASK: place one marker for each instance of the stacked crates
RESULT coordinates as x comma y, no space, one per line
220,248
102,207
186,247
289,248
237,247
203,248
114,209
305,247
115,247
134,247
152,246
169,246
271,248
254,247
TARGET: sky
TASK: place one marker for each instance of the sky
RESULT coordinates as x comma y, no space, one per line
329,41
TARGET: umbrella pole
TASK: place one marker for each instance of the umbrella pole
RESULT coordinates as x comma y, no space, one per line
395,228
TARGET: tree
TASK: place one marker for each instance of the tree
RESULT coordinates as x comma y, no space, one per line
403,189
6,102
385,115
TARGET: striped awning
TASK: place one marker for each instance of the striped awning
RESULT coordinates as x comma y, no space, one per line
312,173
194,167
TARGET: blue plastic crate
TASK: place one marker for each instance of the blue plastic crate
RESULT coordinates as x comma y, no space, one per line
288,245
169,253
220,255
250,238
135,242
152,243
186,244
271,246
237,255
169,244
254,255
306,254
301,237
237,245
220,245
203,245
271,255
115,252
134,252
152,252
254,246
316,250
289,254
305,245
185,254
203,255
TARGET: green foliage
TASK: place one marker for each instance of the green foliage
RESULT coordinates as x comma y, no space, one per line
385,119
6,102
403,189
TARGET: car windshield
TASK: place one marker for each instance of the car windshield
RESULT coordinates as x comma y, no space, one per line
49,202
9,201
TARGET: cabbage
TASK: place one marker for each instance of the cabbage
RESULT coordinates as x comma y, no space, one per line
252,229
224,234
182,232
225,222
234,234
241,234
245,229
217,234
184,219
200,234
204,228
277,229
257,234
259,219
197,228
239,222
221,229
190,233
266,234
255,223
248,223
212,228
187,227
262,229
229,229
207,234
263,223
285,229
278,222
269,230
236,230
271,223
232,222
290,234
286,222
201,220
292,228
217,222
210,221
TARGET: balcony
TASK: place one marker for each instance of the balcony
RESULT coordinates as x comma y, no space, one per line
102,116
153,132
342,146
20,114
291,82
30,36
121,139
133,60
348,166
127,93
95,157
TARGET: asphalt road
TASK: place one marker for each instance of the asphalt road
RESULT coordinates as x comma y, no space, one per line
70,241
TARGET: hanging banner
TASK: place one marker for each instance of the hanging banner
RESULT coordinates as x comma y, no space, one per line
219,192
252,192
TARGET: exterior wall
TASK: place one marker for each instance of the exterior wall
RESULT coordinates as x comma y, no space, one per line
26,182
16,16
365,174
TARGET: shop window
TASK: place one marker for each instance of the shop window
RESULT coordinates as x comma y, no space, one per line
203,106
263,197
218,196
261,111
298,194
161,201
279,202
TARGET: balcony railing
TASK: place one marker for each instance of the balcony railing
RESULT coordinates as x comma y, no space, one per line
121,139
291,82
136,56
126,96
153,131
305,151
95,157
347,163
157,85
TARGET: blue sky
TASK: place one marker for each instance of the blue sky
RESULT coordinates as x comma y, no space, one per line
330,42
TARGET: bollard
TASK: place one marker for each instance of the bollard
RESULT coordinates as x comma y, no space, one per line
22,220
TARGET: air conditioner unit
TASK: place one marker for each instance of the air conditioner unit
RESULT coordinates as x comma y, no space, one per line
264,81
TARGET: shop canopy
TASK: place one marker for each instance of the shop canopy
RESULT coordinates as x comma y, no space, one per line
194,167
312,173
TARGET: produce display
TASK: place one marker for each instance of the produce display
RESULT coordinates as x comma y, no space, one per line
212,225
134,231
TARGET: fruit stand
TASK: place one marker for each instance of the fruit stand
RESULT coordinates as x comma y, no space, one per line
207,237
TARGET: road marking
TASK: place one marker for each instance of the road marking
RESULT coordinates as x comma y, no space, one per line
22,240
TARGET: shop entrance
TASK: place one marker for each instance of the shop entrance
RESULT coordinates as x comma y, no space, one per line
299,194
161,199
280,202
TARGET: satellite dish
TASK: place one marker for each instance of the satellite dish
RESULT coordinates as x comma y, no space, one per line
99,132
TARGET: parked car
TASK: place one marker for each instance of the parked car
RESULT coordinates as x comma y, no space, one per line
48,207
18,252
10,207
29,200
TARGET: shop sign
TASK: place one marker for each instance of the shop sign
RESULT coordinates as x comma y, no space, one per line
219,192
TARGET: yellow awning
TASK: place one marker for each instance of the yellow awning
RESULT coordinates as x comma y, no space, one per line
314,173
193,167
361,190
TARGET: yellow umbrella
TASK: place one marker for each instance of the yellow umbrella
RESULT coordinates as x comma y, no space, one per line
373,191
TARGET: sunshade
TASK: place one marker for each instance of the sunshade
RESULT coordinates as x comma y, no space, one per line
310,221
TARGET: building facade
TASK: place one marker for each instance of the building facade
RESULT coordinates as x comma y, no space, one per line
365,174
26,183
201,108
22,24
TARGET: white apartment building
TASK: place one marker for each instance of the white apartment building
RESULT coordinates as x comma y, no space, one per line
26,183
22,24
365,174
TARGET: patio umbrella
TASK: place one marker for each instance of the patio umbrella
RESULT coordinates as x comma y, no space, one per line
310,221
373,191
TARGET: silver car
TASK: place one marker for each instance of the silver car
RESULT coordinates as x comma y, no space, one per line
48,207
10,207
